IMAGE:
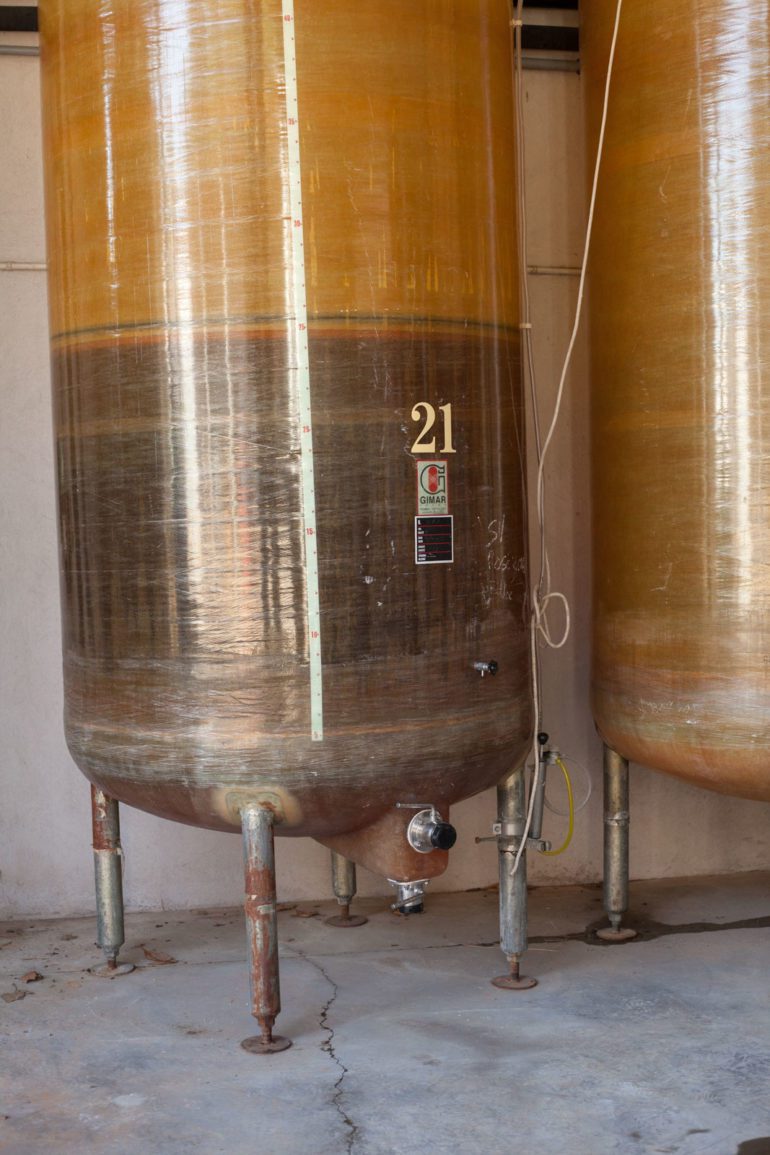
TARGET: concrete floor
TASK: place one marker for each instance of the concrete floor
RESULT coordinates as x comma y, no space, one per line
400,1043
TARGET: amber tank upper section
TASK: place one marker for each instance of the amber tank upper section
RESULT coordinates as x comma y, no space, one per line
176,401
680,299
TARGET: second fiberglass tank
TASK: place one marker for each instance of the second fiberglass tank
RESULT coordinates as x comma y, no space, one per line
287,402
681,402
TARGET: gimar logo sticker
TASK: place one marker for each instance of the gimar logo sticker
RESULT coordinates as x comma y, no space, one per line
432,487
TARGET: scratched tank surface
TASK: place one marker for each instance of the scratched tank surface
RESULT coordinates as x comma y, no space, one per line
206,471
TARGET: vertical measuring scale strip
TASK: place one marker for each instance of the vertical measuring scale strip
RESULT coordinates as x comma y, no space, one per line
302,370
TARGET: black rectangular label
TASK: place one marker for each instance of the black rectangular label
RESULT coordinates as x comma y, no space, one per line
433,540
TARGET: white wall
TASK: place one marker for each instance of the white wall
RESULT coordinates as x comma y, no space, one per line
45,860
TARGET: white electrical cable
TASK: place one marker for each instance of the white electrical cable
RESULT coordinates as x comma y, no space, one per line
542,595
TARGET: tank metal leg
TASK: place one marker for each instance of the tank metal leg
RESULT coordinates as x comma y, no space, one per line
512,811
108,874
616,824
344,883
262,928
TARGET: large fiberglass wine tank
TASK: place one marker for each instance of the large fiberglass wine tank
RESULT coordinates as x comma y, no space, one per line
681,390
283,298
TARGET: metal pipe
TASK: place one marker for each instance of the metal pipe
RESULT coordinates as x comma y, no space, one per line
550,64
343,878
512,813
536,829
260,907
108,876
553,270
344,885
511,809
19,50
616,841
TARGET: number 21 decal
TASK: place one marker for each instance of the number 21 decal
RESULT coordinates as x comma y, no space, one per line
425,412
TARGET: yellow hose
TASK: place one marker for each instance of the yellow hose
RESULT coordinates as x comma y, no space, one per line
571,800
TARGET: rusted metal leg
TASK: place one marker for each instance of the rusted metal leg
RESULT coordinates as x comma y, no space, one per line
108,874
616,829
262,928
512,811
344,883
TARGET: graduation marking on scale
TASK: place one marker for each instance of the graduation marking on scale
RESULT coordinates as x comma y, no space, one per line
302,355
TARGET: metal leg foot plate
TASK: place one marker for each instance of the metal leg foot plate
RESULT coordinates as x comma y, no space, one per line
622,934
105,971
256,1045
346,920
512,983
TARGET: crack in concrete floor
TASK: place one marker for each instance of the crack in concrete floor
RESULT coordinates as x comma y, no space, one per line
329,1048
